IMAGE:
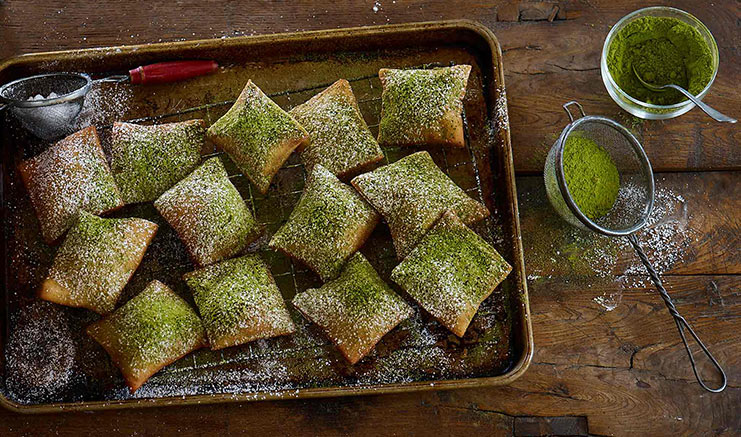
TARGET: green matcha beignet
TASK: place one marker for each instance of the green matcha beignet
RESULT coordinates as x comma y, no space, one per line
96,260
208,214
147,160
258,135
154,329
239,302
330,222
355,310
69,177
411,194
451,272
339,138
423,107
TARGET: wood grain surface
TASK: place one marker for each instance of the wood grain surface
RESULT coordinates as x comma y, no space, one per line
596,371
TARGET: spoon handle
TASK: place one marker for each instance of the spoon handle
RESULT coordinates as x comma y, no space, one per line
718,116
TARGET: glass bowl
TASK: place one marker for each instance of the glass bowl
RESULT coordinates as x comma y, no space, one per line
647,110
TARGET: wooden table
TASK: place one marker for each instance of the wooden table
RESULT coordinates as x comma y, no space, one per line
595,371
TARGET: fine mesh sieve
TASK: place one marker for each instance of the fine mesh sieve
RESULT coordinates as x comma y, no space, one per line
632,207
47,104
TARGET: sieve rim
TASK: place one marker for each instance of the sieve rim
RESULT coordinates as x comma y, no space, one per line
566,194
64,98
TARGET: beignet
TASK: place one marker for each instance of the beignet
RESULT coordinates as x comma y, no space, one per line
208,214
239,302
451,272
411,194
69,177
147,160
152,330
96,260
355,310
339,138
330,222
258,135
423,107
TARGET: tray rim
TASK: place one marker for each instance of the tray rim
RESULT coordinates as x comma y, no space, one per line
517,369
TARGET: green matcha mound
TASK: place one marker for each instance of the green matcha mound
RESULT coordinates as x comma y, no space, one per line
591,176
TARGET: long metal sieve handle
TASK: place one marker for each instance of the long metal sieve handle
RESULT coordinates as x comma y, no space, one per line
682,324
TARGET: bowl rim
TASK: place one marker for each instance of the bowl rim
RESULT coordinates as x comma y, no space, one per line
676,106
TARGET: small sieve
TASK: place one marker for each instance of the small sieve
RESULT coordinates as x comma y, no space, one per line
47,105
632,207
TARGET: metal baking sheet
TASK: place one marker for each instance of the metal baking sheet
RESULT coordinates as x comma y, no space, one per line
47,362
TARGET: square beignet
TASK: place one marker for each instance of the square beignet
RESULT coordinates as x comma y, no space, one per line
208,214
423,107
69,177
147,160
152,330
451,272
330,222
239,302
258,135
96,260
411,194
355,310
339,138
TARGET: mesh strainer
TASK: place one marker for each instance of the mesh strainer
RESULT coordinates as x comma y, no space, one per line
631,210
48,104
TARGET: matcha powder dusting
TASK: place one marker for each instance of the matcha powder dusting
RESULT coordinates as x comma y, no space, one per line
591,176
663,50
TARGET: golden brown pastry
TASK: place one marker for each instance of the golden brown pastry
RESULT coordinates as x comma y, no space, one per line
208,214
411,194
330,222
152,330
239,302
339,138
451,272
96,260
355,310
258,135
423,107
147,160
69,177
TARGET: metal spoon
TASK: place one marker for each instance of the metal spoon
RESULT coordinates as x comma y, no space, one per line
707,109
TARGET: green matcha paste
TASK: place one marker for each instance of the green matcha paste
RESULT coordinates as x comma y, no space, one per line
591,176
663,50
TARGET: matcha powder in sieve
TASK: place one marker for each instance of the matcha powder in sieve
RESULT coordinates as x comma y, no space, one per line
664,51
591,176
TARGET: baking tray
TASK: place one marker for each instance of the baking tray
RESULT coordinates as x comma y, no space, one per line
48,364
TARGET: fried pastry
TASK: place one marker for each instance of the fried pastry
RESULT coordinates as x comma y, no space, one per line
69,177
147,160
239,302
451,272
423,107
330,222
208,214
96,260
355,310
411,194
339,138
258,135
152,330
